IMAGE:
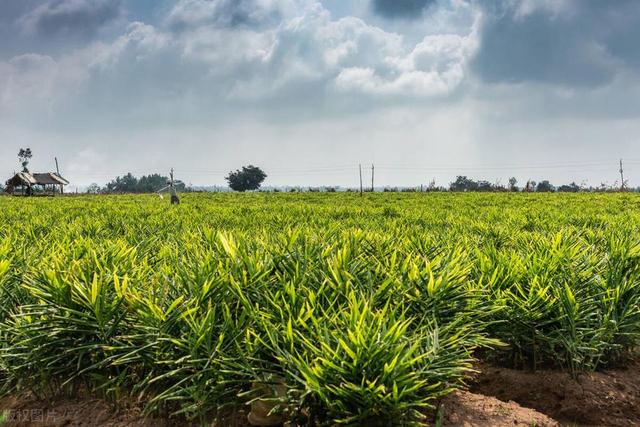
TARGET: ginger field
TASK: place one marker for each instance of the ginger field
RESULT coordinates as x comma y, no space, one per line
322,308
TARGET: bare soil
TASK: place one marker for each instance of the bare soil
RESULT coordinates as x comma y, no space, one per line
607,398
28,411
498,397
462,409
466,409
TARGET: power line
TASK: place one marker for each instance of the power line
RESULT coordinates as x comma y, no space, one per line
594,167
393,169
553,163
492,168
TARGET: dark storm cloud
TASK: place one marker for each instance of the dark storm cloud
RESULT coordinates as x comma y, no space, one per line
188,14
246,12
540,49
583,44
621,30
401,8
11,10
71,17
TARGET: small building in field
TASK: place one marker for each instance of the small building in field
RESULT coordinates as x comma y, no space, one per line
28,184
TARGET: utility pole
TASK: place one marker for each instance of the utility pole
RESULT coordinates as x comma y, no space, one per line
621,176
373,172
360,168
58,173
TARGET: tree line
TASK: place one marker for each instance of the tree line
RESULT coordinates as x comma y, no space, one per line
463,183
131,184
248,178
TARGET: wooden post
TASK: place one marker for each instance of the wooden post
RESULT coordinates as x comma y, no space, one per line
58,172
360,167
373,171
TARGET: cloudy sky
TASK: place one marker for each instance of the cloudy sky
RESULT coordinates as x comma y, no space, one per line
423,89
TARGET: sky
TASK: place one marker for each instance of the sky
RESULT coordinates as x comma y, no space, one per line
308,90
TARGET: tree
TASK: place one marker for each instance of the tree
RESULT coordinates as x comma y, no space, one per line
25,155
151,183
485,186
570,188
125,184
145,184
93,189
462,183
513,184
246,179
545,187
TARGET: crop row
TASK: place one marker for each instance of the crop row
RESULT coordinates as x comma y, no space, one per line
329,308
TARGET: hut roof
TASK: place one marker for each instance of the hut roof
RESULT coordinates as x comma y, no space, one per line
49,178
26,178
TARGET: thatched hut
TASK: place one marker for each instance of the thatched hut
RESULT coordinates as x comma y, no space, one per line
26,182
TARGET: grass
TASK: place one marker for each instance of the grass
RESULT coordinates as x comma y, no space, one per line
368,310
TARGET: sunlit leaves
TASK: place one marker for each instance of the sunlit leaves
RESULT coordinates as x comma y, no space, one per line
367,309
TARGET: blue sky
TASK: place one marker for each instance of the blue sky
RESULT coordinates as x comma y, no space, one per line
424,89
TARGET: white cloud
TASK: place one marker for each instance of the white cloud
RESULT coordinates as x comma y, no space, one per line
410,83
37,83
287,82
138,44
309,46
241,51
436,66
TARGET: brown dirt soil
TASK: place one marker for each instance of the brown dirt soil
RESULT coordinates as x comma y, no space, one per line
498,397
462,409
27,411
466,409
607,398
